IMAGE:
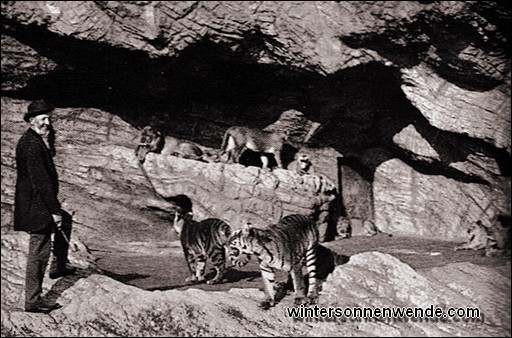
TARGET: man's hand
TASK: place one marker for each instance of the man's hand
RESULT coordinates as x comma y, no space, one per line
58,220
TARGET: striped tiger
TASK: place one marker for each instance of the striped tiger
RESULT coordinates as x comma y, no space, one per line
283,246
200,241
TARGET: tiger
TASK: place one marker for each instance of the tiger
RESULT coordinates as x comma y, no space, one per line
478,238
200,241
238,139
499,237
285,246
494,240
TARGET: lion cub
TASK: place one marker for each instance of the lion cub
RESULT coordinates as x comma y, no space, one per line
302,165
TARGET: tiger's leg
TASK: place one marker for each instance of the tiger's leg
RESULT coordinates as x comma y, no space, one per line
191,262
200,267
298,284
311,268
473,244
218,258
196,267
267,273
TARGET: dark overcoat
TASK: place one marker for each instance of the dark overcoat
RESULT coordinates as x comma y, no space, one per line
37,184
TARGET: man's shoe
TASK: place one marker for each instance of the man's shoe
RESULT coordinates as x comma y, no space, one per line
62,273
43,308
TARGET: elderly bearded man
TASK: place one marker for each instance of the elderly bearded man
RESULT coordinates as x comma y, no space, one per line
37,209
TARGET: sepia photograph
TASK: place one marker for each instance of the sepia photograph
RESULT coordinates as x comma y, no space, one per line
255,168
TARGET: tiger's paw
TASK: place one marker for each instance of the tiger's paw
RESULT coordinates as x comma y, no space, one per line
266,304
213,281
193,280
312,300
299,301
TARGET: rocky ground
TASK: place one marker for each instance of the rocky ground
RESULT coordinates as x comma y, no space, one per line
141,291
161,266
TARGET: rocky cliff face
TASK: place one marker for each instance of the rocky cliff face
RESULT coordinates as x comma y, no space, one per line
425,83
409,103
111,194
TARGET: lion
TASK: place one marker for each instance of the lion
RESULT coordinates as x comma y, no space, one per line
302,165
238,139
152,140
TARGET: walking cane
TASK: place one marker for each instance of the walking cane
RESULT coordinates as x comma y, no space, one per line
62,231
63,234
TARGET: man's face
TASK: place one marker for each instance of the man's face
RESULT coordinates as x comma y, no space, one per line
41,124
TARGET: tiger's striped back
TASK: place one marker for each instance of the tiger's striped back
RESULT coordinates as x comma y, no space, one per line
283,246
201,241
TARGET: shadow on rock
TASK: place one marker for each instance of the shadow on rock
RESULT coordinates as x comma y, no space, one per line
124,278
233,275
65,283
327,260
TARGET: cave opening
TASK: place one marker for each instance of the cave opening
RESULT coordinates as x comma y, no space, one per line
209,85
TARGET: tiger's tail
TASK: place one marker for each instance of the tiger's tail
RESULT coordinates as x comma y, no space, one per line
311,263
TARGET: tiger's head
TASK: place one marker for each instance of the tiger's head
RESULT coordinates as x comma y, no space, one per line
151,140
180,219
181,211
241,246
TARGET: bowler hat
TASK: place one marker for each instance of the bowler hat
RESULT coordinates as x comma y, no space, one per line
37,108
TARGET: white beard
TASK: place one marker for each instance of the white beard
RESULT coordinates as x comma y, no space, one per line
42,132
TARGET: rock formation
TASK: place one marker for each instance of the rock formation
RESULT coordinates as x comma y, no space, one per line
404,106
96,305
99,170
